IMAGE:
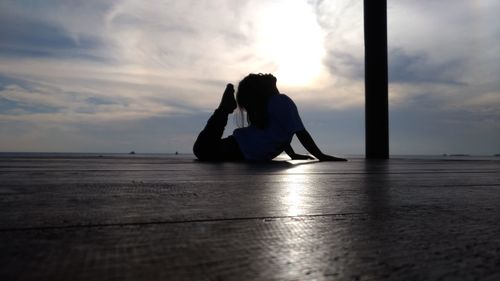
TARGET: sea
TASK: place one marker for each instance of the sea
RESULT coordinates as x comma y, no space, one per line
184,156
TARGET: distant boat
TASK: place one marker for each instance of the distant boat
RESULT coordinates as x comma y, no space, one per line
460,155
132,152
496,155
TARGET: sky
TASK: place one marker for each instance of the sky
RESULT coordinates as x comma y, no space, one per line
116,76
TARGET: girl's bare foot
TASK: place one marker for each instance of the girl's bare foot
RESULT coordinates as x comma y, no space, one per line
228,103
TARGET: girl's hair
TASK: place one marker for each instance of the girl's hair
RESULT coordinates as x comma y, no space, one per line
252,97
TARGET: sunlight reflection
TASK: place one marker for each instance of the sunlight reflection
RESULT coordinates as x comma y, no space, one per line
296,184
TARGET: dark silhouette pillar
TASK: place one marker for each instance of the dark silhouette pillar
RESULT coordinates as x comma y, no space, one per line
376,80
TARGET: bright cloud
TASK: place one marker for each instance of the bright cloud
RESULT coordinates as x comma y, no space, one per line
75,65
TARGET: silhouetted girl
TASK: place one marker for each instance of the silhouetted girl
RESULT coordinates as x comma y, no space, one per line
272,119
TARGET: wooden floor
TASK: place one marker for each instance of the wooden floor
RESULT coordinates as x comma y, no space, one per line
172,218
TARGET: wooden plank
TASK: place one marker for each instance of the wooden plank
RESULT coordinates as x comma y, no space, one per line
413,245
177,219
97,192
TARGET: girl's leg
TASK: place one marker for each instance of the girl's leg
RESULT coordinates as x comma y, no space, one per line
210,136
209,145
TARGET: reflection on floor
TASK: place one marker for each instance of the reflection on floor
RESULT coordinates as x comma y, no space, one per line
171,218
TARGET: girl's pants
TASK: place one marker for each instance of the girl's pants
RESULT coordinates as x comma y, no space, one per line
210,146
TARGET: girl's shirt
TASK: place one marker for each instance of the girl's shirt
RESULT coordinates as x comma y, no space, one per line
265,144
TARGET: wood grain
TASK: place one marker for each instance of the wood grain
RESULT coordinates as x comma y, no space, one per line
173,218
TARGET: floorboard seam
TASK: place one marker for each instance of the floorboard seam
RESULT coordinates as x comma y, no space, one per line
172,222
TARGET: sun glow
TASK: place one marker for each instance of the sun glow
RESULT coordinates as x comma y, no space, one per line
291,42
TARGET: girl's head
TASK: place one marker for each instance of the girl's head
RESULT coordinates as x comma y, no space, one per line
252,96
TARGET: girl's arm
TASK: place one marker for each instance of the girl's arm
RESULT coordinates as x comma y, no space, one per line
295,156
307,141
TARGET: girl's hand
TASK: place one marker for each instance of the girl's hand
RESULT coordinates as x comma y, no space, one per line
301,157
325,157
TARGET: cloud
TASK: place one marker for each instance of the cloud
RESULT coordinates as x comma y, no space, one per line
65,65
418,68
